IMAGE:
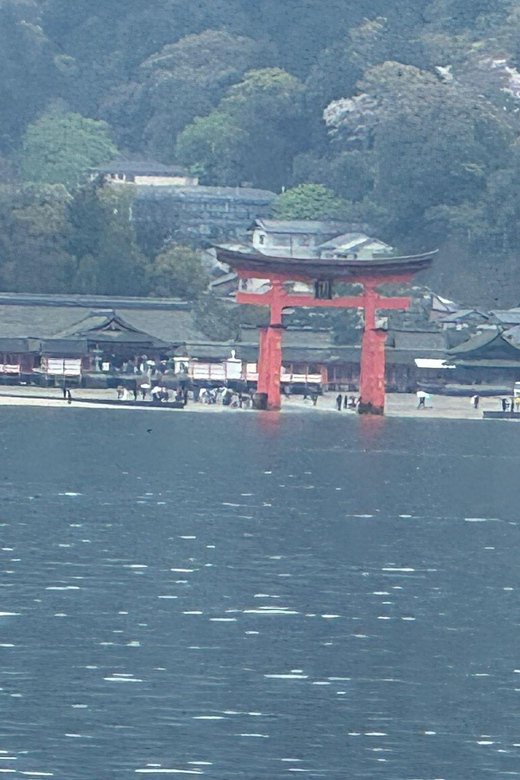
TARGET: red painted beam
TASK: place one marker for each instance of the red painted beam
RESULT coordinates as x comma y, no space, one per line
293,276
344,301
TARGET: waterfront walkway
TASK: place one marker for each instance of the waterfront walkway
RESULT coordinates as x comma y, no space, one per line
398,404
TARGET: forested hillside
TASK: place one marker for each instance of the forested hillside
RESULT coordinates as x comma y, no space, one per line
407,110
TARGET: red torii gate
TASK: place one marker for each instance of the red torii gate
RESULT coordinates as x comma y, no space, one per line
322,273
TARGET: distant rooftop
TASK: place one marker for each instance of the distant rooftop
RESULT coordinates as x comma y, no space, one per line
345,239
140,168
91,301
353,241
47,316
303,226
462,314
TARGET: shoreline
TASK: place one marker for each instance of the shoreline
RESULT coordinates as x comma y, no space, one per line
398,404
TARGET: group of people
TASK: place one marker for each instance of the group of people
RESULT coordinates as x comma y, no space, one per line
512,405
224,396
157,393
142,365
346,402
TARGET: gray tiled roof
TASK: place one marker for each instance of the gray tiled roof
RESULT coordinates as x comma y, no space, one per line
476,342
462,314
48,316
303,226
508,317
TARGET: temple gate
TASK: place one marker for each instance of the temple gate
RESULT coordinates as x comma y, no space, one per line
322,273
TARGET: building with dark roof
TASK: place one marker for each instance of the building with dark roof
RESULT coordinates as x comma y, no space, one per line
294,238
77,335
204,215
143,174
489,357
310,357
63,335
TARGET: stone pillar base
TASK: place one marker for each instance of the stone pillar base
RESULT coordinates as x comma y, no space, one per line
368,408
260,401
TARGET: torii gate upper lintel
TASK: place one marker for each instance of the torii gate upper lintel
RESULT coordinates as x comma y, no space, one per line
370,274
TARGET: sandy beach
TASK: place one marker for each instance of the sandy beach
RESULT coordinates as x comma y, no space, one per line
397,404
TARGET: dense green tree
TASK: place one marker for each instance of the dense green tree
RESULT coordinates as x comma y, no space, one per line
188,79
220,319
173,86
268,106
108,260
27,64
34,232
427,141
309,201
421,100
60,148
254,133
177,272
348,174
457,15
121,266
215,148
106,40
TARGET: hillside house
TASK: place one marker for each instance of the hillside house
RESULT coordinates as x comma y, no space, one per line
143,174
293,238
314,238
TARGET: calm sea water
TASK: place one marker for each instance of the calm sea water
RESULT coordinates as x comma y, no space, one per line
237,596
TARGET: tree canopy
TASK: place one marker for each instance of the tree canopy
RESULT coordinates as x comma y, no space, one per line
408,111
309,201
59,149
178,273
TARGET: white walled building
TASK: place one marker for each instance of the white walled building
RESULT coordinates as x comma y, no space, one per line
293,238
147,174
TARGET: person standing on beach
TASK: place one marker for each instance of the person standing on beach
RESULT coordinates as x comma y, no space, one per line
475,401
421,399
339,402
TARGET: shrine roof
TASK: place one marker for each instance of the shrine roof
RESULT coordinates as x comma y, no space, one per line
477,342
507,317
319,268
462,314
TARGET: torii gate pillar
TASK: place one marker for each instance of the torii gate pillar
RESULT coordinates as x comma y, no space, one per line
372,369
